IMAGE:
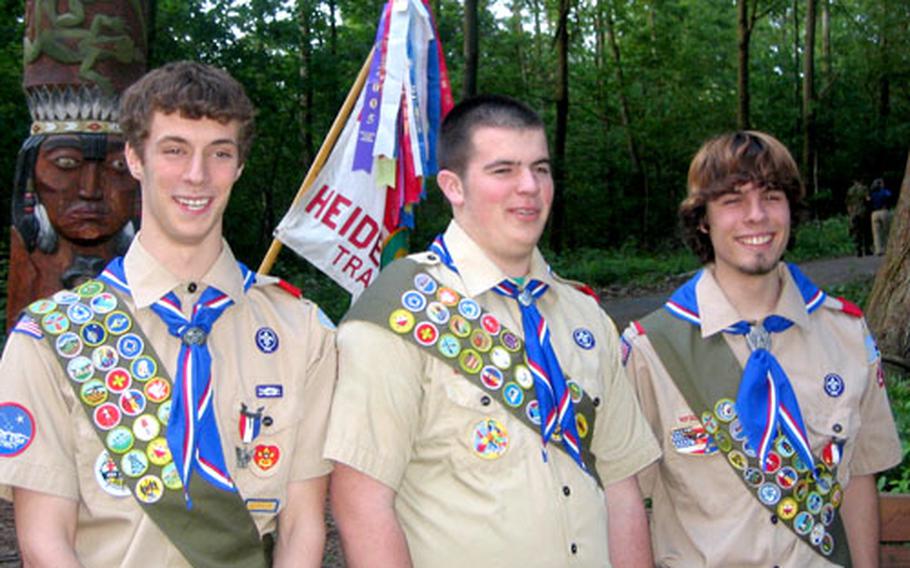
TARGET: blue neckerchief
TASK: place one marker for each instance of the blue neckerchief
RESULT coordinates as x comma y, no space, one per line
192,431
765,401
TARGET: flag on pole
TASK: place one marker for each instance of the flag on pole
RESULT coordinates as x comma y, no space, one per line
356,214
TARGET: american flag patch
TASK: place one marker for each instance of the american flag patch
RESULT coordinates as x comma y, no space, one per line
692,440
28,326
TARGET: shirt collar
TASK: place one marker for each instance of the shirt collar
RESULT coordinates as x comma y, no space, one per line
794,303
478,272
149,280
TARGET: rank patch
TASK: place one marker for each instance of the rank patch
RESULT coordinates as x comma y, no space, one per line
583,338
834,385
267,340
17,429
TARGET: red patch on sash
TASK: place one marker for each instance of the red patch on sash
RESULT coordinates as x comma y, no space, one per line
290,288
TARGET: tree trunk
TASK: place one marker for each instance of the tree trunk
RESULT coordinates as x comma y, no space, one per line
469,84
304,23
797,81
742,78
826,40
808,161
519,47
888,311
558,213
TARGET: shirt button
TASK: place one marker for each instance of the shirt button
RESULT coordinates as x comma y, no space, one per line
267,421
566,491
485,400
837,428
191,288
773,519
574,548
596,401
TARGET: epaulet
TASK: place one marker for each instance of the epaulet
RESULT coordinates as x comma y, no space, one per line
28,326
425,257
843,305
290,288
580,286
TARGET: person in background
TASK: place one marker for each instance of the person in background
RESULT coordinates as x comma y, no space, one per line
880,204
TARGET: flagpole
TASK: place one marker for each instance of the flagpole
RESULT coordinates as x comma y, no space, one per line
337,126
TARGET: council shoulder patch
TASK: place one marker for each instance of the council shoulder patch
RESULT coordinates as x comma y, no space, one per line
17,429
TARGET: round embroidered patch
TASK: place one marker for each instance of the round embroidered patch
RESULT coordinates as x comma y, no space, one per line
510,341
68,345
401,321
709,421
583,338
267,340
837,495
489,439
772,462
827,545
803,523
103,303
164,412
737,460
438,313
447,296
108,476
425,283
575,391
80,369
90,288
787,508
65,297
532,411
118,322
834,385
523,376
784,447
41,307
132,402
736,430
157,390
104,358
426,334
491,377
827,514
470,361
93,392
55,323
170,477
725,410
722,441
823,483
581,425
93,334
814,502
106,416
158,452
146,427
490,324
79,313
144,368
459,326
786,477
481,340
149,489
469,309
129,346
119,440
513,395
449,345
817,534
134,463
768,493
117,380
413,300
500,357
17,429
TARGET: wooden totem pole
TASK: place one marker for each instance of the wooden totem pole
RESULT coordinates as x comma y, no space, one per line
74,202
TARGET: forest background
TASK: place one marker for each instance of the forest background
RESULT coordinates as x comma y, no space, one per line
629,90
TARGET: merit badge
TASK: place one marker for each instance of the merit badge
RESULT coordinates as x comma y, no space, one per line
80,369
55,323
725,410
481,340
262,506
827,545
737,459
827,514
132,402
510,341
490,324
447,296
814,502
108,476
784,447
469,309
799,464
134,463
129,346
710,422
772,462
149,489
834,385
90,288
513,395
144,368
438,313
583,338
803,523
575,391
489,439
104,358
425,283
93,392
581,425
532,411
146,427
103,303
171,477
824,483
117,322
817,534
501,357
831,454
266,340
17,429
769,494
736,430
249,424
470,361
106,416
79,313
41,307
269,391
837,495
449,345
157,390
119,440
265,457
164,412
751,475
523,376
117,380
401,321
65,297
68,345
158,452
93,334
722,441
491,377
426,334
787,477
787,508
459,326
413,300
801,490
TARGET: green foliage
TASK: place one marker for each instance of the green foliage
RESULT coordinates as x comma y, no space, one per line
897,479
822,239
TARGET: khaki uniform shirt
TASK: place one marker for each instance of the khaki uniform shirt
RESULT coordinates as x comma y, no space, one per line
293,385
702,514
408,420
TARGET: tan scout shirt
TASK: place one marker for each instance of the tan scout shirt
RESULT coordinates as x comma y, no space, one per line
703,515
61,460
407,419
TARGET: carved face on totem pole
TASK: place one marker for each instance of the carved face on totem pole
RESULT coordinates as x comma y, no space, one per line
74,200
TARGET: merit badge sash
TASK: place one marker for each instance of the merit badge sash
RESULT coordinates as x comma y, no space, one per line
126,394
707,374
470,340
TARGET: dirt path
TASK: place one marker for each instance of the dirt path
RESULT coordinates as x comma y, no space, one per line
822,272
